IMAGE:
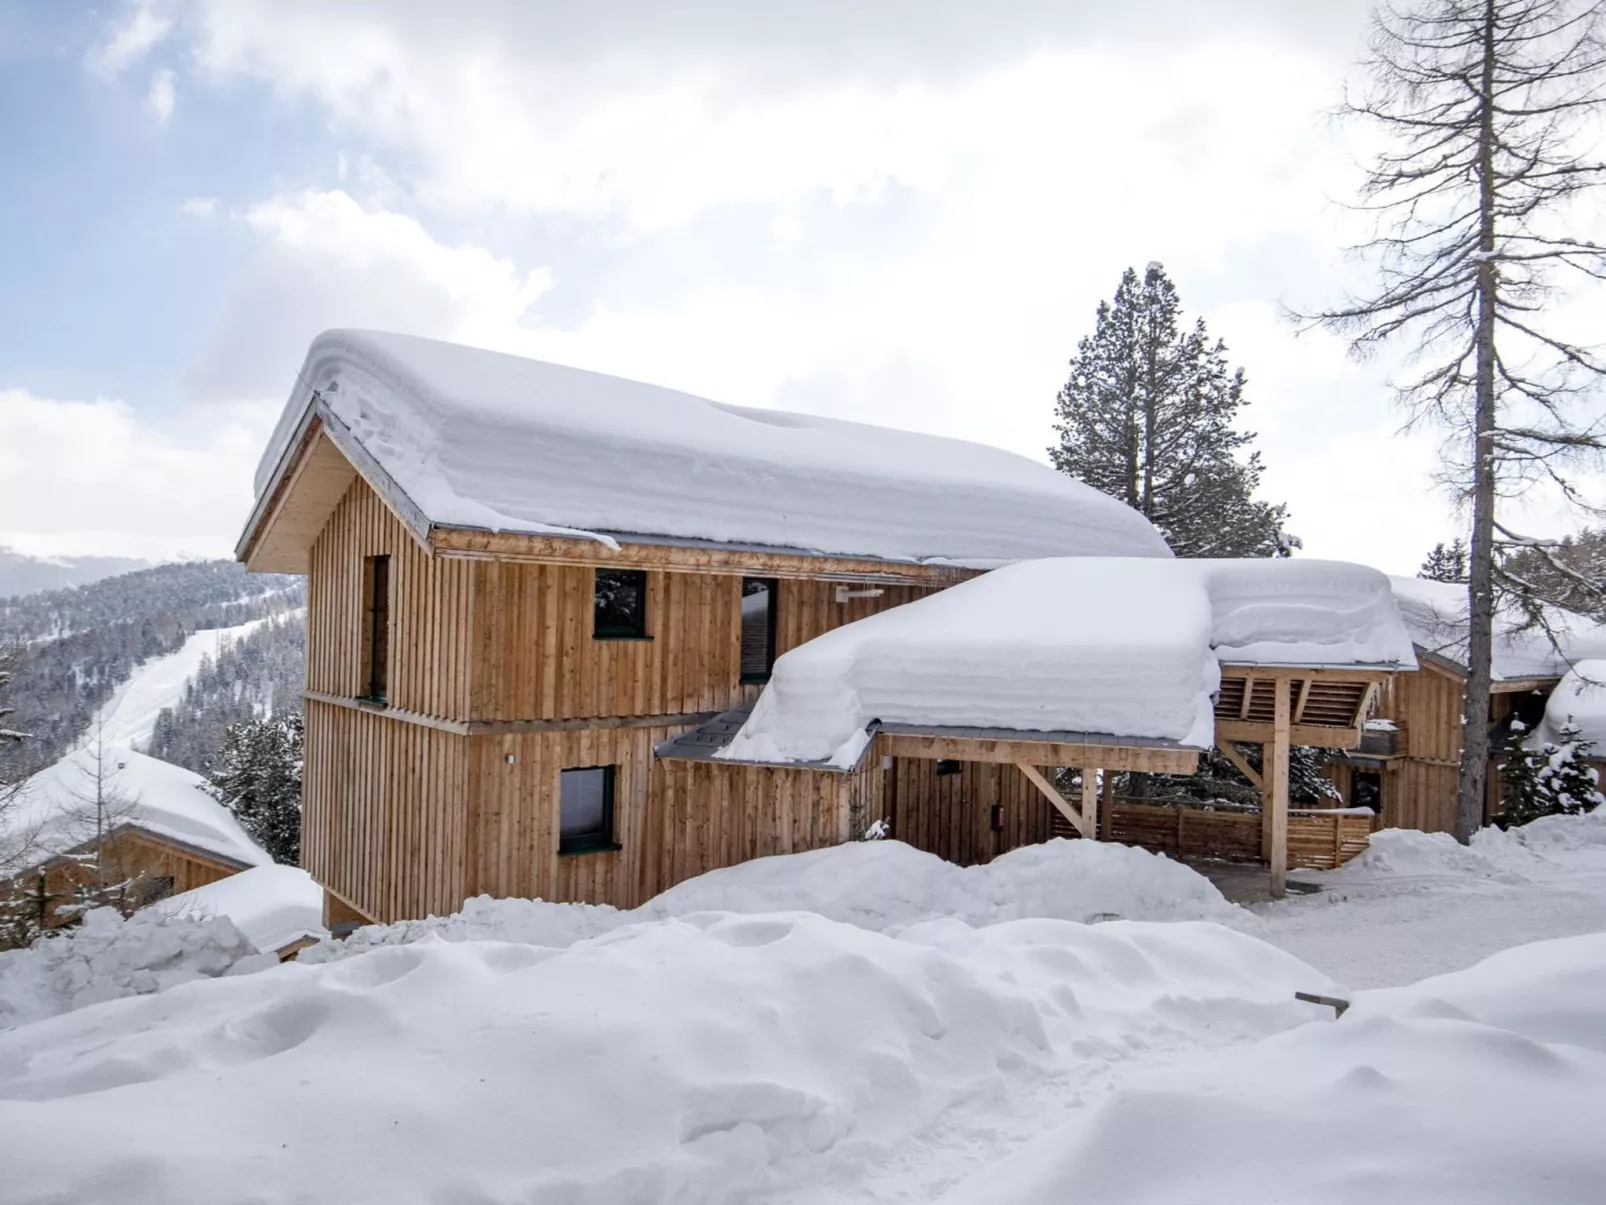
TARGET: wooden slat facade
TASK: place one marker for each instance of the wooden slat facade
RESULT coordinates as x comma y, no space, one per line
951,815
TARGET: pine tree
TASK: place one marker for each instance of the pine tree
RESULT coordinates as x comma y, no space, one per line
1554,779
256,774
1147,417
1446,564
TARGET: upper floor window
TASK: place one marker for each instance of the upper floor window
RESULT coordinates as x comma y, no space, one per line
758,628
585,810
376,627
619,605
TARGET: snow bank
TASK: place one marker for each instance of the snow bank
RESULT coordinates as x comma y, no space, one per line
1482,1086
701,1059
56,807
107,958
272,905
1116,647
480,439
1519,855
884,886
1436,614
1579,698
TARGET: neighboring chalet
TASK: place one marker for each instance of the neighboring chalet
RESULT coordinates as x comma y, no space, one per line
545,608
122,820
1408,763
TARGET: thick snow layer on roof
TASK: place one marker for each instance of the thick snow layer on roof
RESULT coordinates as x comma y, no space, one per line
1436,614
56,809
480,439
272,905
1119,647
1580,697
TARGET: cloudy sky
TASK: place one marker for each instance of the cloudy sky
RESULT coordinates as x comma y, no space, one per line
902,211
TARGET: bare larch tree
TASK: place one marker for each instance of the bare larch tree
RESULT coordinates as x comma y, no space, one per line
1487,111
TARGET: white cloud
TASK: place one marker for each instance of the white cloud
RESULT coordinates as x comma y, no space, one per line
131,36
199,207
159,99
97,477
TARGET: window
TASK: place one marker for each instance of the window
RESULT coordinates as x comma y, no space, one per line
947,766
758,628
1366,791
376,626
619,605
585,810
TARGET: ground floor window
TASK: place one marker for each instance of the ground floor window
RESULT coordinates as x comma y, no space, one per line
1366,790
585,821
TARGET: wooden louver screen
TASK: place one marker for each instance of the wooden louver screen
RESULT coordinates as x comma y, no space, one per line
1322,702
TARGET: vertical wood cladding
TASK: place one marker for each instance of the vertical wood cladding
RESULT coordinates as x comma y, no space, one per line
1419,789
951,815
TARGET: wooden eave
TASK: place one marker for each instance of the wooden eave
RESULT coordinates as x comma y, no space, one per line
130,829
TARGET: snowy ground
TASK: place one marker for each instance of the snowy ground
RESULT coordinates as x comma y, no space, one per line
792,1032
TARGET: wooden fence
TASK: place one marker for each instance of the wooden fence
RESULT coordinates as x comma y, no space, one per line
1317,840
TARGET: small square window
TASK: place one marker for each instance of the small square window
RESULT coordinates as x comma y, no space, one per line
619,605
585,810
947,766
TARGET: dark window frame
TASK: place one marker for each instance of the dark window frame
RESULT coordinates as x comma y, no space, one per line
378,592
947,766
603,839
773,585
637,630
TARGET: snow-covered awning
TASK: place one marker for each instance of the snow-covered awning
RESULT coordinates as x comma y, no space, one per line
276,907
1436,615
1116,649
457,437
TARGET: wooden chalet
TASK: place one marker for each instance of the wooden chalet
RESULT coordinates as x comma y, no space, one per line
541,601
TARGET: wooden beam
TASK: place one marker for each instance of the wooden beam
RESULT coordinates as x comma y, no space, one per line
1365,705
1109,803
1304,697
1358,673
1139,758
1320,735
1230,752
1274,801
1090,802
1249,694
1048,789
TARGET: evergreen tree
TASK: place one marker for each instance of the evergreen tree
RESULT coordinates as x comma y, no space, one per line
1147,417
1552,780
1446,564
256,774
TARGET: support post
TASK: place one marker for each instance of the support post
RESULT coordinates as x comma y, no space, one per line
1107,820
1090,802
1274,800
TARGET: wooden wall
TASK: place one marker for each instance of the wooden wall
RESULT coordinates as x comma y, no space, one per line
385,812
1419,789
950,815
430,605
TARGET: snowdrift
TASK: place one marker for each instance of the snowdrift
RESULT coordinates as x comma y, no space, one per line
108,958
1483,1086
484,440
273,906
884,886
1518,855
698,1059
1107,646
1579,698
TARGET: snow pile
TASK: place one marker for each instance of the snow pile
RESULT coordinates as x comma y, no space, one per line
274,906
107,958
702,1059
879,885
1114,647
1579,698
1485,1085
1436,614
56,809
480,439
1403,853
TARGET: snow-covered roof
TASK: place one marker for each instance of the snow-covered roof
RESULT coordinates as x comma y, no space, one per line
1115,647
478,439
1436,614
55,811
1580,697
274,906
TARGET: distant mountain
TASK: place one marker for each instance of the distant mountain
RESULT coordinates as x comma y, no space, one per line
78,645
22,574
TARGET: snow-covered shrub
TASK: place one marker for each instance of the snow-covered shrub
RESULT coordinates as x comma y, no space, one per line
108,957
1551,779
